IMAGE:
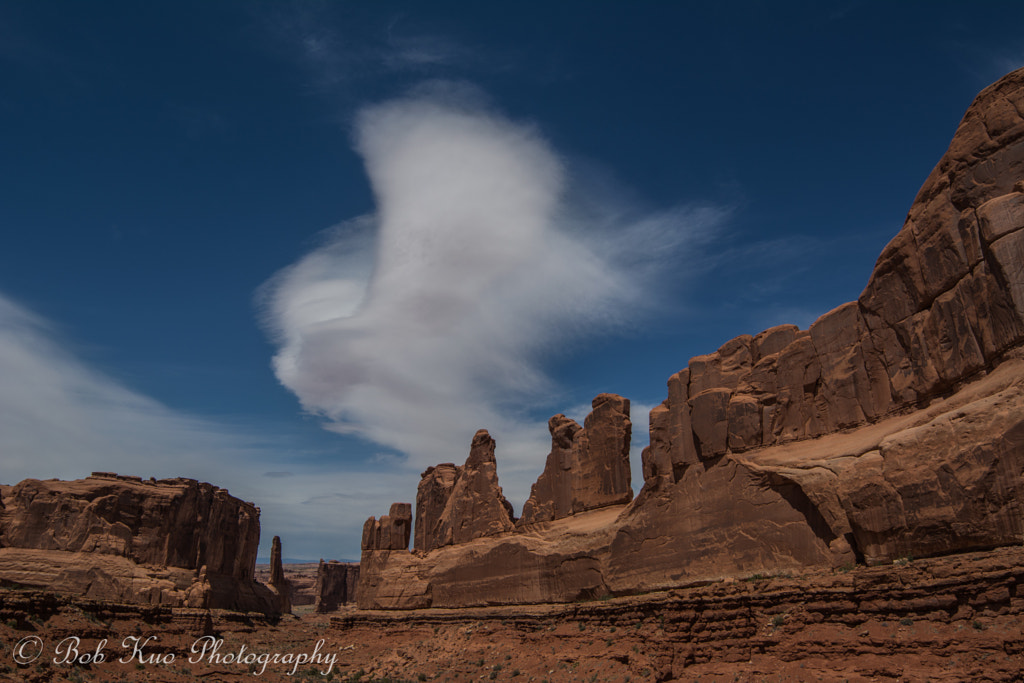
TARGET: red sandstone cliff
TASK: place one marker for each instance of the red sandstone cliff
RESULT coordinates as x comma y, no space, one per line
893,427
123,539
587,468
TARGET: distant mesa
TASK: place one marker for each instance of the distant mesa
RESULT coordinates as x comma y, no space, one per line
175,542
893,427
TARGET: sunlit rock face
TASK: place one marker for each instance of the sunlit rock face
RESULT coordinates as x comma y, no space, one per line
587,468
119,538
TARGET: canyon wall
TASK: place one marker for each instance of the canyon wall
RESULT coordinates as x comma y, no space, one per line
893,427
125,539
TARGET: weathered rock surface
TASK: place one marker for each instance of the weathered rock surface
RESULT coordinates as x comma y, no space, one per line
432,496
336,585
587,468
110,537
276,566
893,427
551,496
457,504
950,618
477,507
944,479
278,583
390,532
945,301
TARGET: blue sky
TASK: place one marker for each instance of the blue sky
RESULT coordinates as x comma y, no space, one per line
304,250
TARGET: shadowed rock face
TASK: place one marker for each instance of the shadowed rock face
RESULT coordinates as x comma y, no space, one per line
893,427
551,497
107,537
276,566
432,496
336,585
278,584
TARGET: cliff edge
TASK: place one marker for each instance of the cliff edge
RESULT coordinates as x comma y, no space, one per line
176,542
893,427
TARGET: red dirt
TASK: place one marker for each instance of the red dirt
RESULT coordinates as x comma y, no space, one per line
955,618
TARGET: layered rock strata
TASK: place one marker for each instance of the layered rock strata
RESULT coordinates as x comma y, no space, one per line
893,427
110,537
946,618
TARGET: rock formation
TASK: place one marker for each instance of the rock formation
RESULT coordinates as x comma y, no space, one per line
477,507
893,427
278,584
458,504
276,566
587,468
551,495
336,585
432,496
950,618
455,505
110,537
390,532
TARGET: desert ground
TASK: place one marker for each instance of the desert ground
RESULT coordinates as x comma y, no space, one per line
955,618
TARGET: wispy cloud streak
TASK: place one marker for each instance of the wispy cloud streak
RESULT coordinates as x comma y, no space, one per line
62,418
58,417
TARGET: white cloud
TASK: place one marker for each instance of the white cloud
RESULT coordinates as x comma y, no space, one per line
430,319
60,418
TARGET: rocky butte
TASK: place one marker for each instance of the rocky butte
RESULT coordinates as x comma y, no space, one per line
893,427
176,542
